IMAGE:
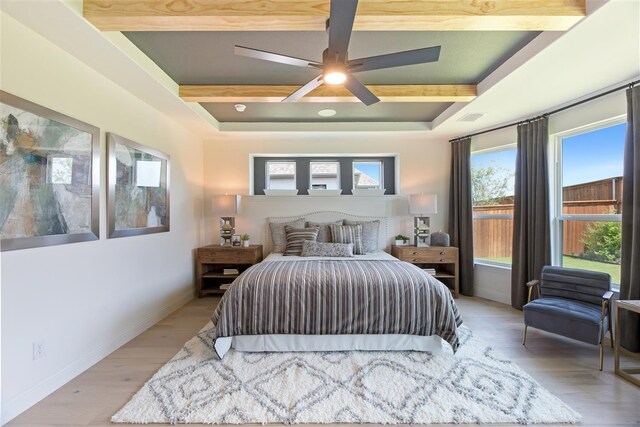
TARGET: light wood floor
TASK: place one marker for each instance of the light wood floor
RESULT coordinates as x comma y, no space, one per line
567,368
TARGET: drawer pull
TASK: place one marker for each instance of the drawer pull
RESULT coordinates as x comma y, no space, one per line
416,253
442,253
441,260
416,260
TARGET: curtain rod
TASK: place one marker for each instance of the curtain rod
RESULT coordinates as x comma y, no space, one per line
566,107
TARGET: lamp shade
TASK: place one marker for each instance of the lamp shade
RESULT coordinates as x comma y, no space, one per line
224,205
423,203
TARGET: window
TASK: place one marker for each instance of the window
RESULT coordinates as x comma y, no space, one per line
492,183
589,198
325,175
329,172
281,175
367,175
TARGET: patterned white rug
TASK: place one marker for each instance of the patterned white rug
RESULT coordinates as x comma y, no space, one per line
477,385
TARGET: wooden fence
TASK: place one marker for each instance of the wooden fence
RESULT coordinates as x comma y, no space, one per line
492,238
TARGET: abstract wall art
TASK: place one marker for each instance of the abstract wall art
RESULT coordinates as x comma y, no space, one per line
138,200
49,176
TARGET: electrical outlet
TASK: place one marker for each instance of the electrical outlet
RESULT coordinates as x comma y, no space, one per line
38,349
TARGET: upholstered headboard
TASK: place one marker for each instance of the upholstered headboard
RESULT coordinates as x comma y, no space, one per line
329,216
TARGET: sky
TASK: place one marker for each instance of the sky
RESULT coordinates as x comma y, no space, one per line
586,157
373,170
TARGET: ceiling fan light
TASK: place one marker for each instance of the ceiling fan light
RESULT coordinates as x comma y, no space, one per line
335,77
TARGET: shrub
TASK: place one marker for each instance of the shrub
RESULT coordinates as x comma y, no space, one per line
603,241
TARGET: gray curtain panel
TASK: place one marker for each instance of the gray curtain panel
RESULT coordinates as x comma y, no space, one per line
630,277
531,232
461,211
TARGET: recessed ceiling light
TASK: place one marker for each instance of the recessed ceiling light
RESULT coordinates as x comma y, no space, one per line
240,107
327,113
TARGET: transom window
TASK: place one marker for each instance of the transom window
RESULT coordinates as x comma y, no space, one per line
367,175
281,175
324,173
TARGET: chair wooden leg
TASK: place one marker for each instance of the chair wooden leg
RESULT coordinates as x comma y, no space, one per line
524,337
601,354
611,331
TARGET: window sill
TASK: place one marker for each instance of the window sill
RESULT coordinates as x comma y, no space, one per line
492,265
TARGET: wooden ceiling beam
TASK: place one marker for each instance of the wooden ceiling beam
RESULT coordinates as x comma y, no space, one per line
326,93
311,15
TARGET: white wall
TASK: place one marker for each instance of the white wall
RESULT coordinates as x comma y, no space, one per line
84,300
492,282
423,166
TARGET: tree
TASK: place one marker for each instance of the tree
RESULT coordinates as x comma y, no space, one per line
491,184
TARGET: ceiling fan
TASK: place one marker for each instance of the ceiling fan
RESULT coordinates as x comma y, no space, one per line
336,67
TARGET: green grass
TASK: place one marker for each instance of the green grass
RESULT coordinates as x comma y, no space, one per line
584,264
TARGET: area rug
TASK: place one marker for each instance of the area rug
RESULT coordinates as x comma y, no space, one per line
476,385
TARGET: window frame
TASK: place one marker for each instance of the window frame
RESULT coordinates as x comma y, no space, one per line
558,217
380,163
480,261
311,162
267,178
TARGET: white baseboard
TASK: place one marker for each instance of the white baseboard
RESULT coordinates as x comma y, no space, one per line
493,295
23,401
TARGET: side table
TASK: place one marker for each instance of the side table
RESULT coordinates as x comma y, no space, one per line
627,374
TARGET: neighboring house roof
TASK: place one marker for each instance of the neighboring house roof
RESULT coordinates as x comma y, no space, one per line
362,179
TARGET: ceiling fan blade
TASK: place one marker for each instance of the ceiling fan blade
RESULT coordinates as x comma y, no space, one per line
341,16
275,57
360,91
304,89
397,59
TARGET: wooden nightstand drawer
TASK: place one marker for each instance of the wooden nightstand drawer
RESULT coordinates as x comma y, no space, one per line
429,258
225,254
440,262
217,266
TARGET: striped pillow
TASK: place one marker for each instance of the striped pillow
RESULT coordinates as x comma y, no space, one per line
295,238
348,234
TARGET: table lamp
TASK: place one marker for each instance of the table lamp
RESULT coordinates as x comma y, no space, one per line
422,204
225,206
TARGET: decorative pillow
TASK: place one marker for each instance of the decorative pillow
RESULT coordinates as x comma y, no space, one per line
348,234
370,230
278,236
310,248
295,238
324,235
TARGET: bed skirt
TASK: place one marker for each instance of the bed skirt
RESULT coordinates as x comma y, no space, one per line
345,342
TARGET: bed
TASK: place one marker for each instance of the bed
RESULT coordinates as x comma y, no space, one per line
365,302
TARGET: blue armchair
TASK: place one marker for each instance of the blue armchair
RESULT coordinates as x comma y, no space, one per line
572,303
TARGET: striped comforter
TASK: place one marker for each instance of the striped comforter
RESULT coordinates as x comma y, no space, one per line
337,297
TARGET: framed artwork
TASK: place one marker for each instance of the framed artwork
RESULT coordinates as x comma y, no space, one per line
49,176
138,179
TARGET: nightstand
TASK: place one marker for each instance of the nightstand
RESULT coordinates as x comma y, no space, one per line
212,260
444,260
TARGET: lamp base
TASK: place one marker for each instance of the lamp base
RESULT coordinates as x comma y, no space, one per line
421,230
227,229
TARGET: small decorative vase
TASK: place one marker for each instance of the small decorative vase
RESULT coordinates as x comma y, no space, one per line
400,243
245,243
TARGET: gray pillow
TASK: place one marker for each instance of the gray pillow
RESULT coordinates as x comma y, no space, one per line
370,230
296,237
310,248
348,234
278,236
325,234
